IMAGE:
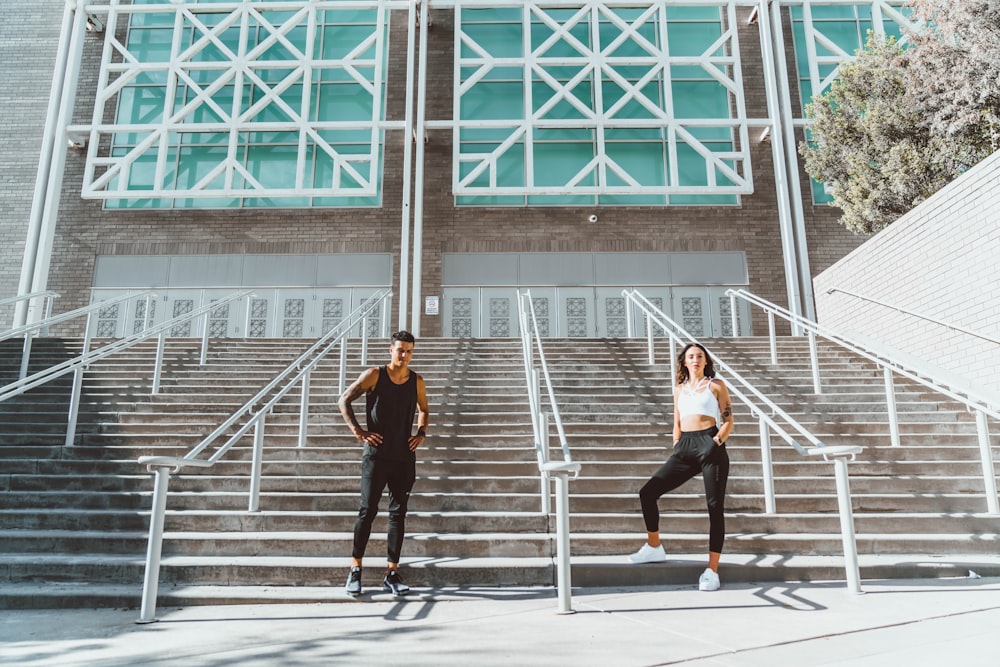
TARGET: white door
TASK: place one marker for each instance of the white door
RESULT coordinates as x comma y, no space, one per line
691,308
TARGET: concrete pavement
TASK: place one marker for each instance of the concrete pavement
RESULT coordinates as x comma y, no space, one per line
932,622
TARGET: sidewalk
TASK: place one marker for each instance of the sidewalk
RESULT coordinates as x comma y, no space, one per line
930,622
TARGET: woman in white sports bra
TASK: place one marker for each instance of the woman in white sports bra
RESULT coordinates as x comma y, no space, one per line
703,421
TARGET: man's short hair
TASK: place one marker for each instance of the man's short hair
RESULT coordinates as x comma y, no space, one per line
403,336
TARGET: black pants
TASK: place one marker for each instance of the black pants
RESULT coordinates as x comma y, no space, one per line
695,452
376,474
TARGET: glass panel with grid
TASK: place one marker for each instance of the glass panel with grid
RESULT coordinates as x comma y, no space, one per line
220,105
599,104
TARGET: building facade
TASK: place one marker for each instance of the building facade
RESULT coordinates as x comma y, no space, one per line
453,150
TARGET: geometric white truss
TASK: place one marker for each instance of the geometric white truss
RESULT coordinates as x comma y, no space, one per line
587,38
824,53
237,75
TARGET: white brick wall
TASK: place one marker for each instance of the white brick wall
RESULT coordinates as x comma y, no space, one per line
942,260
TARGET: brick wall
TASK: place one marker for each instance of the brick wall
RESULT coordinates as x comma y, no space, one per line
28,42
86,230
942,260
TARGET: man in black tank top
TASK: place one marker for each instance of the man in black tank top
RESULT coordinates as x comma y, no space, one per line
393,393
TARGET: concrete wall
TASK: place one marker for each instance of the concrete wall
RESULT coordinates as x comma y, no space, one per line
941,260
86,230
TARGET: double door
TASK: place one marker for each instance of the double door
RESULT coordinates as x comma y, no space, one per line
268,313
585,312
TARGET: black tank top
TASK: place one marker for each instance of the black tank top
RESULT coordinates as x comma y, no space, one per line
390,409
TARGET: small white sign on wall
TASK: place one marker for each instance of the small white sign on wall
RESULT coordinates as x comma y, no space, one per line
431,305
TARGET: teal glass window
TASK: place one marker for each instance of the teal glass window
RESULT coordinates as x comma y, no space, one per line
599,105
298,126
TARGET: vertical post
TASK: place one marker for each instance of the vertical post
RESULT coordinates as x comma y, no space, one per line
304,409
258,459
246,320
649,340
890,406
543,455
364,341
204,339
772,338
74,401
673,359
989,478
161,478
158,368
629,316
25,354
847,526
767,467
734,315
563,569
404,242
814,362
342,371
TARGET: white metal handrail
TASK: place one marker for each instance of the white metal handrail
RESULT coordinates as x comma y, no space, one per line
256,409
981,403
80,364
912,313
48,299
839,455
561,471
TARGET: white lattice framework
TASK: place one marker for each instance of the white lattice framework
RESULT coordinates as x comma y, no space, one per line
824,52
265,27
726,171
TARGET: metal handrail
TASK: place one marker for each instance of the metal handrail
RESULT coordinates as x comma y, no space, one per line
838,454
905,311
981,403
80,364
531,342
48,299
256,408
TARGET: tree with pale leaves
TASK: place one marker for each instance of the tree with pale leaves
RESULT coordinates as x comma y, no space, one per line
899,124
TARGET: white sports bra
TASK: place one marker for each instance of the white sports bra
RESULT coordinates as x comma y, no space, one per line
698,400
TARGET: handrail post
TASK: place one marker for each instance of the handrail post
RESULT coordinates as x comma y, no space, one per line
304,408
563,568
986,455
364,341
847,525
25,355
814,362
767,467
255,466
204,339
543,443
157,518
649,340
629,316
673,359
772,338
248,315
77,390
733,314
158,367
890,406
342,371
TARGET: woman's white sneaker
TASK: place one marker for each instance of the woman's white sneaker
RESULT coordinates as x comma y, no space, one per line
708,581
648,554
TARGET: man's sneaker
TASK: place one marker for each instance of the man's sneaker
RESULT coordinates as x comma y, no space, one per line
648,554
353,586
394,584
708,581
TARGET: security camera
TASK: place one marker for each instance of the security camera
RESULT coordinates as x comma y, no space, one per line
592,217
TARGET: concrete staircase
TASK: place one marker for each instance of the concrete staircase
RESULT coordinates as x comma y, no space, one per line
73,520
